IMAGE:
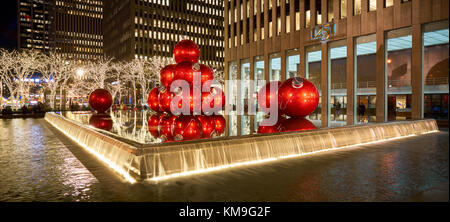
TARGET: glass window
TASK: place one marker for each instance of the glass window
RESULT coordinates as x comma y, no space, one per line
259,81
232,94
337,107
245,92
313,74
388,3
343,9
357,7
372,5
398,64
275,67
366,54
436,70
288,24
292,61
307,13
330,10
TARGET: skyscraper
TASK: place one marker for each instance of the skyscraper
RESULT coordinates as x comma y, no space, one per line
70,27
146,28
35,25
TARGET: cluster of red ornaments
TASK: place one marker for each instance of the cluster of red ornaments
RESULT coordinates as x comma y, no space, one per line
170,127
297,98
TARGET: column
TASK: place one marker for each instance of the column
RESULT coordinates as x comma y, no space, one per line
381,66
417,64
325,79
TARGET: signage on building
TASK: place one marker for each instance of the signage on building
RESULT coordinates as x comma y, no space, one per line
324,32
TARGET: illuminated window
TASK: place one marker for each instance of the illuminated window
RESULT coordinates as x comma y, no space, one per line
357,7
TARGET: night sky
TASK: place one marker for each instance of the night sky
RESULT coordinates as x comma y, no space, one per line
8,24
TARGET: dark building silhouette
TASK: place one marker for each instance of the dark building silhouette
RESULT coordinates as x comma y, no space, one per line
145,28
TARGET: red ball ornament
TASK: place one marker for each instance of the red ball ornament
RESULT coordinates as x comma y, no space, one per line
187,71
298,97
165,98
166,126
207,75
153,100
101,121
262,129
153,124
187,128
208,125
219,124
268,96
166,75
100,100
186,50
296,124
214,101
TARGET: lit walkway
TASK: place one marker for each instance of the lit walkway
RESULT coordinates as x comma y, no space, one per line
40,164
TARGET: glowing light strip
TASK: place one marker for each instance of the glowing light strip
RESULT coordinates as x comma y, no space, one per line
109,163
207,170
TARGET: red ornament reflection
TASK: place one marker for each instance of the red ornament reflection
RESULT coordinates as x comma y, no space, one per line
153,100
298,97
100,100
165,127
187,128
276,128
186,50
166,75
208,126
153,124
101,121
219,124
296,124
268,96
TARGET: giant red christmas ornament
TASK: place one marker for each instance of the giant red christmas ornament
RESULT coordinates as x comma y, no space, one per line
153,124
219,124
298,97
166,75
165,98
165,127
267,128
187,128
207,75
187,71
101,121
100,100
213,101
296,124
153,100
267,95
186,50
193,97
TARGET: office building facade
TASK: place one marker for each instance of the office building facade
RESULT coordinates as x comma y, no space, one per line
70,27
371,60
145,28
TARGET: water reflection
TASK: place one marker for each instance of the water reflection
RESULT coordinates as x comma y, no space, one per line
148,127
284,124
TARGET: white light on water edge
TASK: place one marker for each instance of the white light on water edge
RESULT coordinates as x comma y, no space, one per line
126,174
109,163
207,170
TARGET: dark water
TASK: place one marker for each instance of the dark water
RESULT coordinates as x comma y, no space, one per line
37,163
